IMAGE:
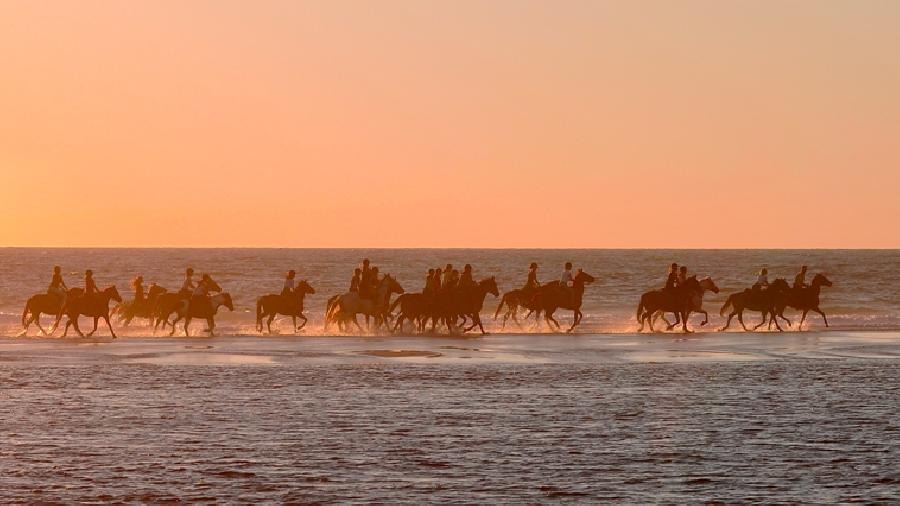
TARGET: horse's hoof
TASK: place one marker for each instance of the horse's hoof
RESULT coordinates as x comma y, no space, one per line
703,323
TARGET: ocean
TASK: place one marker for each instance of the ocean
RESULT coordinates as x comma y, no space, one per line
865,295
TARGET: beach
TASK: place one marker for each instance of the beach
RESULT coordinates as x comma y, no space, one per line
630,418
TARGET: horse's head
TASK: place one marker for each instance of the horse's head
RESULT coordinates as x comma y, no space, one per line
708,284
583,278
304,287
820,280
113,293
392,285
155,291
224,300
779,285
213,286
490,286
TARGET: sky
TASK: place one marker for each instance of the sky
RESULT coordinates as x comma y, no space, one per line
490,123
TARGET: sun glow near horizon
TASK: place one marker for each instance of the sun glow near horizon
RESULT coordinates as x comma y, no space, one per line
453,124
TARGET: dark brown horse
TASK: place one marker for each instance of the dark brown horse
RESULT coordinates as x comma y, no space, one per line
174,302
762,300
95,306
414,307
805,299
551,297
42,303
206,311
681,301
129,310
289,305
515,299
470,302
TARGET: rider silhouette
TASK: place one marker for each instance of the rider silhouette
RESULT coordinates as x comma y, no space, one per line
672,278
532,282
354,281
187,288
800,278
90,288
288,287
466,281
58,286
138,285
682,276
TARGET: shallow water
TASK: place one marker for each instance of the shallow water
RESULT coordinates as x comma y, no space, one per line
864,295
787,430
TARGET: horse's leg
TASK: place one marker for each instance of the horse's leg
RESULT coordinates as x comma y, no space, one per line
781,315
305,319
552,319
774,320
816,309
741,318
211,323
728,322
684,320
187,322
763,322
575,320
480,325
96,319
37,320
705,316
66,329
75,326
111,331
269,321
802,319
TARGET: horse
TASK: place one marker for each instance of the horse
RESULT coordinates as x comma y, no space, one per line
514,299
755,300
414,307
344,308
470,302
681,301
290,305
42,303
551,297
95,306
205,311
129,310
171,302
805,299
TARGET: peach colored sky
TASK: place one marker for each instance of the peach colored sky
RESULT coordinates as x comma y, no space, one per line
450,124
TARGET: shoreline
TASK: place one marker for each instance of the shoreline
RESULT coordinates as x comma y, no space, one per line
511,348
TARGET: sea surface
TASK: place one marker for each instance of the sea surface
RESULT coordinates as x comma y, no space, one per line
865,295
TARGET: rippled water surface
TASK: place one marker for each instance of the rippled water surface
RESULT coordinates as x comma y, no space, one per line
805,430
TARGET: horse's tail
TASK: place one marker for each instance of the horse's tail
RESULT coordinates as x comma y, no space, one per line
332,308
259,313
500,306
728,302
640,309
25,312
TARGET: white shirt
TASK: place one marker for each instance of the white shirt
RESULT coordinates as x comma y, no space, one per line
566,279
762,280
188,284
288,284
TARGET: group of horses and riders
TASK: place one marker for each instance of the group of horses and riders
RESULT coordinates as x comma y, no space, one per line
450,299
194,300
683,295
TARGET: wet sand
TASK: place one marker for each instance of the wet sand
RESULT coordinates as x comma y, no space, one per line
808,417
491,349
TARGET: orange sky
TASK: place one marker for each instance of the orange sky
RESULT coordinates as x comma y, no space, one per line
450,124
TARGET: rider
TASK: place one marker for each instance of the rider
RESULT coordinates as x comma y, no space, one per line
200,296
567,280
672,278
187,288
365,279
138,285
288,287
682,276
90,288
466,281
354,281
448,273
429,282
762,280
58,286
453,280
800,278
532,283
436,280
